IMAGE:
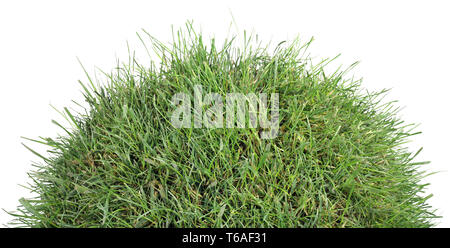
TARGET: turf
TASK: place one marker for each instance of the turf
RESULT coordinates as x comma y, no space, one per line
339,159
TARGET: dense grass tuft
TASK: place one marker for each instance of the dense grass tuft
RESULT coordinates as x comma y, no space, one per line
338,161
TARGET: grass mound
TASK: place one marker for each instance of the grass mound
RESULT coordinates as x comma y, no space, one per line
337,161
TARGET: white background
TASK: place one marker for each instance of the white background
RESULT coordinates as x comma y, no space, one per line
403,45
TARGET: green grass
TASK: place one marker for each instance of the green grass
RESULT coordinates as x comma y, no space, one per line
339,159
